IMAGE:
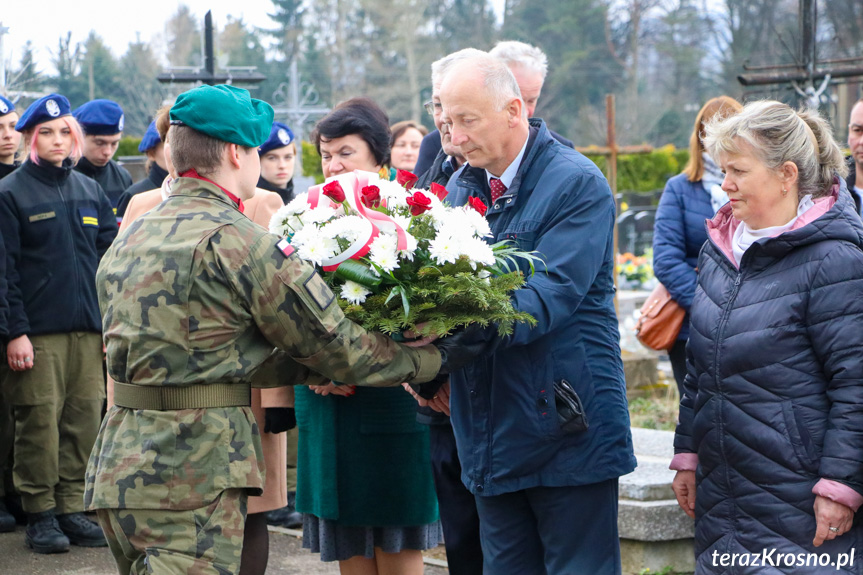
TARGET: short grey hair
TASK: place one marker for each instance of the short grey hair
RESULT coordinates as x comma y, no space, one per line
439,67
496,78
779,134
519,53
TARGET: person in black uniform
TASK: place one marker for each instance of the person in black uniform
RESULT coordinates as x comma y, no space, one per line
56,225
277,162
10,139
151,144
102,123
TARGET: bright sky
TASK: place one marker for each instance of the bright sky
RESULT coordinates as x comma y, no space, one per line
43,22
118,22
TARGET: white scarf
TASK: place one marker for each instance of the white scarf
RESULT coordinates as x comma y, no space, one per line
744,236
712,182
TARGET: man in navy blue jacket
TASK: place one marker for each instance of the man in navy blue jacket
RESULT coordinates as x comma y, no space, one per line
545,484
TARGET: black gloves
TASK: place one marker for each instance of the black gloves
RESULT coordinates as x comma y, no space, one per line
279,419
458,350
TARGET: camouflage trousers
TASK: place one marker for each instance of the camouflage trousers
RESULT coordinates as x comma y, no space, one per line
205,541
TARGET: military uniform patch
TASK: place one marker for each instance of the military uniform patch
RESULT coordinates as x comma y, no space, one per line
284,247
89,217
317,288
43,216
52,108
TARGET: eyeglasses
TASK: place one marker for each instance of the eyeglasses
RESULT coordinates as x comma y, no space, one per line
431,107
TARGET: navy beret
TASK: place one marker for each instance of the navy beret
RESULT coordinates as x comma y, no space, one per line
100,118
226,113
151,138
6,106
280,136
43,110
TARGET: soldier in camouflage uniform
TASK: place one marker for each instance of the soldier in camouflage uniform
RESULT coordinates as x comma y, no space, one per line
194,298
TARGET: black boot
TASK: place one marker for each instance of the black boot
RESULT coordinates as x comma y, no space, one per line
43,534
286,516
81,531
7,521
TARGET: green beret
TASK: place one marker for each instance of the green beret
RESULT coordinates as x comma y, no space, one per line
226,113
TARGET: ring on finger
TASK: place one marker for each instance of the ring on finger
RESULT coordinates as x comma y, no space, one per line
834,529
26,359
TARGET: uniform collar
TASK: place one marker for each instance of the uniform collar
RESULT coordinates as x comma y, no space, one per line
90,169
48,173
194,175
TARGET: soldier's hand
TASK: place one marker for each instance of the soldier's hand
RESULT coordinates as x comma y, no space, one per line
279,419
332,388
414,339
19,354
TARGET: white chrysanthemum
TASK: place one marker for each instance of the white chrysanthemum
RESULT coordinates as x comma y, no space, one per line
298,205
386,260
412,246
349,228
354,292
318,215
444,249
477,251
284,222
315,249
393,194
385,242
477,222
403,220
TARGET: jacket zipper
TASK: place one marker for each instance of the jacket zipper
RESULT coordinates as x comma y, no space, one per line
74,251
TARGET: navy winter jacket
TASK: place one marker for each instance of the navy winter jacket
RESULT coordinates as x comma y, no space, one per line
773,397
677,238
56,224
503,405
4,304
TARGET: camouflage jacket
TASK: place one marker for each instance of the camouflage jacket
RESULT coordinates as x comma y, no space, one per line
193,292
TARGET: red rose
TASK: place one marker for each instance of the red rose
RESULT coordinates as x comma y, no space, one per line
406,179
334,191
419,203
439,191
478,205
371,196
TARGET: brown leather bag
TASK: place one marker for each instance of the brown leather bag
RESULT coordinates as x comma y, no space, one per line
660,321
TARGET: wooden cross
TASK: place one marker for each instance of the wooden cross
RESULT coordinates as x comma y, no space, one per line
207,74
806,73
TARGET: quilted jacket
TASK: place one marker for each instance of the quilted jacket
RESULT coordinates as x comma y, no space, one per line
773,400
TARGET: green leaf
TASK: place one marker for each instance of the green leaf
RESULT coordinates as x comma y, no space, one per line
356,272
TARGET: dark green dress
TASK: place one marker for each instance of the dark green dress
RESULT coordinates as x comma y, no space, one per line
364,475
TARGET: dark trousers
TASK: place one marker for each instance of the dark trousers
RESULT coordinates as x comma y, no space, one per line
677,356
458,515
551,531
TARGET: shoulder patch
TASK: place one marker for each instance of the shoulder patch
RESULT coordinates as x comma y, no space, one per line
286,248
317,288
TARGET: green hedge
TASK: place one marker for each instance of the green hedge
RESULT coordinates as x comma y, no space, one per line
128,147
312,162
645,172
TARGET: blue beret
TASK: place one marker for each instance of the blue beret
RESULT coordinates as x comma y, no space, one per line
226,113
280,136
100,118
151,138
43,110
6,106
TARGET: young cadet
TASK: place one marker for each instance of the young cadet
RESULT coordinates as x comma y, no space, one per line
195,296
102,123
278,155
152,145
10,139
56,224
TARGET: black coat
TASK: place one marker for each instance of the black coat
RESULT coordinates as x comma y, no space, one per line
773,398
155,176
286,193
113,178
6,169
56,224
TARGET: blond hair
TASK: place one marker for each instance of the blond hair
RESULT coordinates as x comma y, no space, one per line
722,106
778,134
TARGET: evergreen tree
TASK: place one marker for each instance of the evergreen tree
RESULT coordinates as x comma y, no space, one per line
140,94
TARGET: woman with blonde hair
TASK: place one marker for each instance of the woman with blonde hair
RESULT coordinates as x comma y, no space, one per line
688,199
769,444
56,225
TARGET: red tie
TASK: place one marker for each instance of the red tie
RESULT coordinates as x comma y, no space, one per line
497,189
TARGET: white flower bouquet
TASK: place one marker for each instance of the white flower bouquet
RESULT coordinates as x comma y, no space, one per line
400,257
